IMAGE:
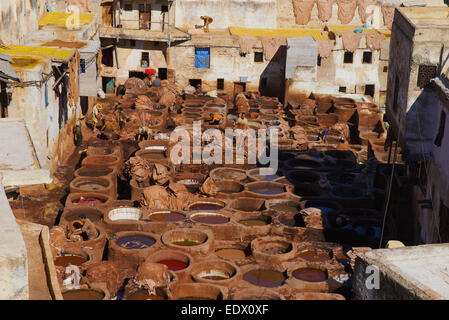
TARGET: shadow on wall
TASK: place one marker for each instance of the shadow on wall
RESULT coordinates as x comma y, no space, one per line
272,79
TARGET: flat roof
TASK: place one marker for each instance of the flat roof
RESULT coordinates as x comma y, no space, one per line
54,53
422,17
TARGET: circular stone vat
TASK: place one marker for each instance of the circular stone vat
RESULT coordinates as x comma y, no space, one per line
83,294
177,261
93,171
125,213
323,205
194,291
284,205
229,187
152,155
108,161
102,185
188,238
257,221
214,271
291,219
247,204
209,218
75,213
207,205
87,200
265,278
310,274
166,216
135,241
219,174
271,246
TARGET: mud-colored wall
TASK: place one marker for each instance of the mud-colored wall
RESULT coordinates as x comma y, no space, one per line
226,13
18,19
226,63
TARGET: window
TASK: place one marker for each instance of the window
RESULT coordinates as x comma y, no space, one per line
367,57
342,89
132,43
220,84
385,68
163,73
145,62
142,8
202,58
82,66
369,90
440,135
128,7
318,61
258,56
348,57
164,8
156,43
425,73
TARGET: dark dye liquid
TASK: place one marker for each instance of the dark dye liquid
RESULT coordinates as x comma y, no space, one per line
211,219
174,265
310,275
167,216
205,206
66,260
268,191
265,278
135,242
145,297
83,294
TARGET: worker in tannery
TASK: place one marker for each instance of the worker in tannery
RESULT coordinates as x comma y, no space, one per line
77,132
207,21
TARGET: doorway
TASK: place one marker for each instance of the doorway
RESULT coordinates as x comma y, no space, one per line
162,73
108,85
195,82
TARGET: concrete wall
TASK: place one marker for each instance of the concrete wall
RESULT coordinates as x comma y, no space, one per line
13,255
226,13
18,19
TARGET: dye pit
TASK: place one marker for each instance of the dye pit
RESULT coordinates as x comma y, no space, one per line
303,204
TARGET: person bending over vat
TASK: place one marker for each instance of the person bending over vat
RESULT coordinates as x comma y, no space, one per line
81,227
216,119
207,21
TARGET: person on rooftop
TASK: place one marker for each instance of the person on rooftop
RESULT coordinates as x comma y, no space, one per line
207,21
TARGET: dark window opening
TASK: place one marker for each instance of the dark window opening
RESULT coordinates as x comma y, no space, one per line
132,43
163,74
440,135
82,66
108,57
142,8
195,82
164,8
367,57
342,89
385,68
145,61
369,90
348,57
258,56
156,43
128,7
84,102
318,61
425,74
220,84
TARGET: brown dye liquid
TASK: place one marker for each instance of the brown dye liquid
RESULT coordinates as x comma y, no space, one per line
167,217
66,260
253,222
83,294
215,277
265,278
145,297
211,219
231,253
205,206
154,156
314,256
310,275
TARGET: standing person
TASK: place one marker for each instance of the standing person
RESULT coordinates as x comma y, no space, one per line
96,112
142,134
120,117
77,132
